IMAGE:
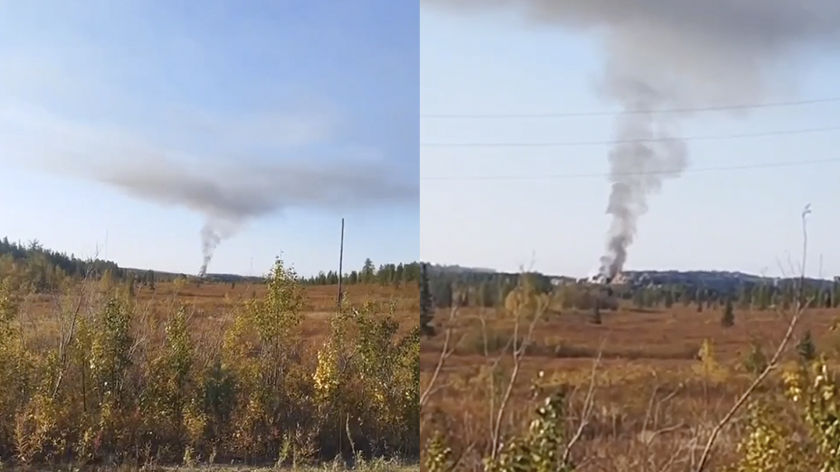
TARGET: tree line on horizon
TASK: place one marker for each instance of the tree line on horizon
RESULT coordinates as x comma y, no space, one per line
384,274
479,289
46,268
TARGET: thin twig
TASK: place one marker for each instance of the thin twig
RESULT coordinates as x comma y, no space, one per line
773,364
461,457
67,337
517,353
445,353
588,404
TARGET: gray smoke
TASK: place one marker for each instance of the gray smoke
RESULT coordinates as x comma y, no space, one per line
230,195
676,54
637,168
209,241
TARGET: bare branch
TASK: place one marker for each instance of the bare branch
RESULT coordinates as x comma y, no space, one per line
461,457
588,403
66,337
774,361
517,353
445,353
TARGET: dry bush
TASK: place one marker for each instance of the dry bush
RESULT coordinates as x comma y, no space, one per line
629,414
97,373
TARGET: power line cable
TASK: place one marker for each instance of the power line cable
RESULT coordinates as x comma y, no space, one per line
634,112
606,175
632,141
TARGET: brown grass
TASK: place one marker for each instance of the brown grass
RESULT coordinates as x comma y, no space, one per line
653,404
211,307
274,402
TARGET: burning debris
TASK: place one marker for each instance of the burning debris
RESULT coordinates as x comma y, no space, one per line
606,279
600,279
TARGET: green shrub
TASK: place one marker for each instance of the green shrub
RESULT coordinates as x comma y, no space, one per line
125,389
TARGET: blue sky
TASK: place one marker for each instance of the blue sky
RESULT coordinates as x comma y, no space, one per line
269,121
495,63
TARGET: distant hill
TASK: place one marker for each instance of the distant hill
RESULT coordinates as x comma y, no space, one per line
719,280
464,286
210,277
716,280
456,269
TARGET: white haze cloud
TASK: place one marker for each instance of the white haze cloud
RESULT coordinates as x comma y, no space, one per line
229,192
675,54
227,126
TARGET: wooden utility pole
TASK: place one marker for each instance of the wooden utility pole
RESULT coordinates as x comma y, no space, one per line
340,261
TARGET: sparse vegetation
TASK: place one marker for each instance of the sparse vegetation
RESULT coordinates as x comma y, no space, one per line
666,382
806,348
727,320
99,368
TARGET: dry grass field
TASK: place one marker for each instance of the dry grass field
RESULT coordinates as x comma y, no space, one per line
102,373
638,395
211,306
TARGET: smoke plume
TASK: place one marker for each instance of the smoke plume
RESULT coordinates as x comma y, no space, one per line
230,195
209,240
675,54
637,168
